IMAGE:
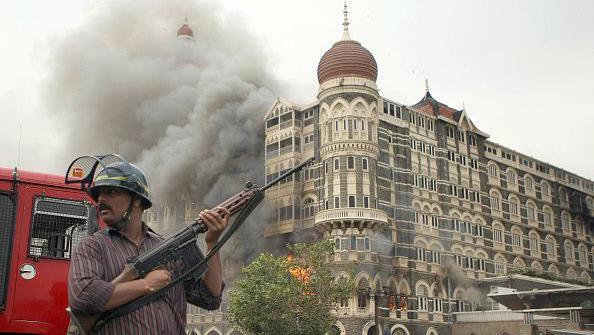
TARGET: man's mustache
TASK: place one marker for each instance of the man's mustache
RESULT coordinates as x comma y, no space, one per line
103,206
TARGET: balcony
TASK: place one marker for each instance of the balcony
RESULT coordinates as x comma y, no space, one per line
364,217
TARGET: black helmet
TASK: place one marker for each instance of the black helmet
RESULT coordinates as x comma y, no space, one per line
123,175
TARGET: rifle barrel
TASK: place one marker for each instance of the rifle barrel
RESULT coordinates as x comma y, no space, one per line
288,173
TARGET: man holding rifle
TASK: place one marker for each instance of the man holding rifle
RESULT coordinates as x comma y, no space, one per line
122,194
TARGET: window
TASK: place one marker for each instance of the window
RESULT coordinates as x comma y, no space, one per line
495,202
366,202
493,170
362,293
336,164
435,257
350,162
430,124
456,224
58,225
546,215
450,132
550,244
528,183
309,208
472,140
516,239
365,164
530,211
513,207
565,221
336,202
460,260
534,244
498,235
423,304
544,187
461,136
434,222
470,263
500,267
568,251
437,305
353,242
421,254
351,201
582,255
481,265
511,177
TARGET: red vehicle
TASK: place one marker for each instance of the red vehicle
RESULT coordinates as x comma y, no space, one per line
41,219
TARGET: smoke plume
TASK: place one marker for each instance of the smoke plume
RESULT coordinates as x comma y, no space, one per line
189,113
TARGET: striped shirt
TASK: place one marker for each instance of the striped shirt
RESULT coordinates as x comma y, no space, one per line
98,259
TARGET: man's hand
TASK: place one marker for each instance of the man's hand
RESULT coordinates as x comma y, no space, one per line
157,279
216,220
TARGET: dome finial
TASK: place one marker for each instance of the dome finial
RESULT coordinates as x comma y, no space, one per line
345,34
426,85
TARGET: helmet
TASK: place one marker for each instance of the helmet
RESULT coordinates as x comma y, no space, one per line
123,175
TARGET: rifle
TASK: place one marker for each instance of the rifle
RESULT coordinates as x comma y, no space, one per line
181,246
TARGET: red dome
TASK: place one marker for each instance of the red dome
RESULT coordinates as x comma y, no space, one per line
347,58
185,30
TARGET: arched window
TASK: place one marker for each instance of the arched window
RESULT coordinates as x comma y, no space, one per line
516,237
528,183
565,221
495,201
421,251
498,232
511,176
550,242
363,293
545,189
530,210
534,243
589,202
500,265
547,215
568,247
422,294
493,171
513,206
583,255
309,208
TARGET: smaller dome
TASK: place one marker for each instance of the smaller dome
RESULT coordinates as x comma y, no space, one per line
185,31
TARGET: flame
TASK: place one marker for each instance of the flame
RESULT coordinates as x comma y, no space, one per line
301,274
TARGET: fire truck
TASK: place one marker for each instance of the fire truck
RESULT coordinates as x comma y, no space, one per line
41,220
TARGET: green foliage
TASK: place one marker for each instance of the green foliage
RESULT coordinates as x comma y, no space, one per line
294,296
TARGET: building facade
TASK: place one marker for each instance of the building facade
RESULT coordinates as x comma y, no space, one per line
418,200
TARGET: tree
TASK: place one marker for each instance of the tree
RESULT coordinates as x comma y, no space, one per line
292,295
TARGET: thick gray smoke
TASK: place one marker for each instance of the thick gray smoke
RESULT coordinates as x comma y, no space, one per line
189,113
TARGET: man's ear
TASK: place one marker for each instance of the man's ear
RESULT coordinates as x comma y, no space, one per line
138,203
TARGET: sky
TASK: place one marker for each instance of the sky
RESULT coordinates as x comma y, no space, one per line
524,70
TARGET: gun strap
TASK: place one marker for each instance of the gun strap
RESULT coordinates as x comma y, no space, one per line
131,306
